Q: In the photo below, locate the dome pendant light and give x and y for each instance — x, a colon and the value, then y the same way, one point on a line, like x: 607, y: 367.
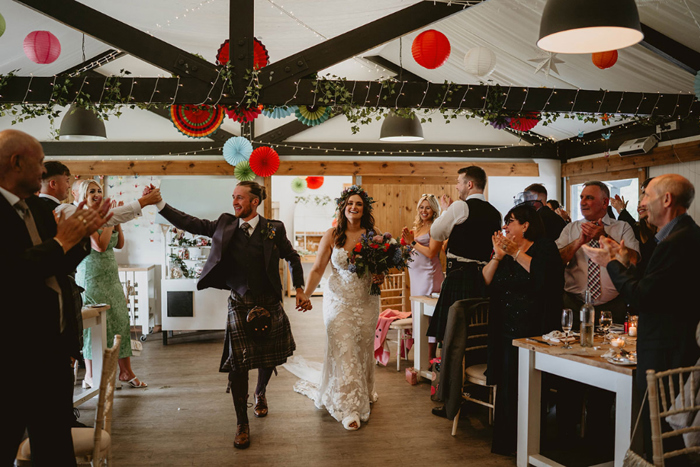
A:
x: 400, y: 129
x: 81, y: 125
x: 589, y: 26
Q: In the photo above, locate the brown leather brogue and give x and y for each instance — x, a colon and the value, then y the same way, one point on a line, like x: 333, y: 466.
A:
x: 242, y: 439
x: 260, y: 409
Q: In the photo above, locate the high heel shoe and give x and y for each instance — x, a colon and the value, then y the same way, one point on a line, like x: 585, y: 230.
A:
x: 132, y: 382
x: 87, y: 383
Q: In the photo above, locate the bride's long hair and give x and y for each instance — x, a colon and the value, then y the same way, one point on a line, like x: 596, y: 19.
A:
x: 367, y: 220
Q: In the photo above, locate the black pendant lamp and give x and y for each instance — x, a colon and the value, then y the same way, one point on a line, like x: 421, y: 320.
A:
x: 400, y: 129
x: 81, y: 125
x: 589, y: 26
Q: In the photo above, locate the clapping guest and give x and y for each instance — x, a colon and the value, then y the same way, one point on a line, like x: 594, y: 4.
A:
x: 98, y: 274
x: 526, y: 279
x: 554, y: 205
x: 425, y: 271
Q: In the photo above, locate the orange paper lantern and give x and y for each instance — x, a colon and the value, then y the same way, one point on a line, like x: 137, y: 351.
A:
x: 604, y: 60
x: 431, y: 49
x: 314, y: 182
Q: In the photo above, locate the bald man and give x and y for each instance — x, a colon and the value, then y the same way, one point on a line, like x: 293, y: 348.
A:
x: 666, y: 295
x: 37, y: 254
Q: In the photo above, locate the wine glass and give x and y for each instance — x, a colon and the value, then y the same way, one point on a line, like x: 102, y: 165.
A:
x: 605, y: 324
x: 567, y: 321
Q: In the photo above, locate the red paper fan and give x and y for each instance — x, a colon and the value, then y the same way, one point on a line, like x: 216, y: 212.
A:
x: 244, y: 115
x: 314, y: 182
x: 525, y: 123
x: 264, y: 161
x: 261, y: 57
x: 196, y: 121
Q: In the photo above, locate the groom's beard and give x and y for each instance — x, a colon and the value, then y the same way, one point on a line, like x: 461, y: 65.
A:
x: 244, y: 213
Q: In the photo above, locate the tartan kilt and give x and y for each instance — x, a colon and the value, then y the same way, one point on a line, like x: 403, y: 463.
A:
x: 463, y: 282
x: 242, y: 352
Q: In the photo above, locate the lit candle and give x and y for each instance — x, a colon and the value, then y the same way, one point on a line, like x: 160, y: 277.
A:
x: 632, y: 331
x: 618, y: 342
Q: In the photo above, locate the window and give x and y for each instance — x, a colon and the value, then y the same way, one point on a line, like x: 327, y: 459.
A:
x: 627, y: 188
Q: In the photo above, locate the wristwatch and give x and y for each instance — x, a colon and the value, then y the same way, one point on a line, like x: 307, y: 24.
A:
x: 413, y: 243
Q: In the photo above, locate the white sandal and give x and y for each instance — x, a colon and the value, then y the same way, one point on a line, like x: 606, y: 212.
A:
x: 347, y: 421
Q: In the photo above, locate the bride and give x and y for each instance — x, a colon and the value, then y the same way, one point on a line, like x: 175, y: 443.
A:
x: 345, y: 386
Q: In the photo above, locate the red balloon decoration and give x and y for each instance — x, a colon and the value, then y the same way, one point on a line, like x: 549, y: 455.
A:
x: 314, y: 183
x: 604, y: 60
x: 525, y: 123
x: 42, y: 47
x: 261, y: 57
x: 264, y: 161
x: 431, y: 49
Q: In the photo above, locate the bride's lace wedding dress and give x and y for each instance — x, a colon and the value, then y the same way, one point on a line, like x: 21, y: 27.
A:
x: 345, y: 385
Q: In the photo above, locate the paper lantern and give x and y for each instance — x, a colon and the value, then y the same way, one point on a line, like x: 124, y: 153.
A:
x: 264, y: 161
x: 3, y: 25
x: 237, y: 149
x: 312, y: 115
x: 431, y: 49
x: 314, y: 183
x: 298, y: 185
x: 42, y: 47
x: 480, y: 61
x: 196, y: 121
x: 525, y: 123
x: 604, y: 60
x: 279, y: 112
x: 243, y: 172
x: 261, y: 57
x: 242, y: 115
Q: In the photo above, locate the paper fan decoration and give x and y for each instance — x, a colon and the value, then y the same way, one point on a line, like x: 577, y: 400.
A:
x: 3, y: 25
x: 264, y: 161
x: 243, y: 172
x: 261, y: 57
x: 314, y: 183
x: 279, y: 112
x: 242, y: 115
x: 500, y: 123
x: 525, y: 123
x: 237, y: 149
x: 298, y: 185
x: 196, y: 121
x: 312, y: 115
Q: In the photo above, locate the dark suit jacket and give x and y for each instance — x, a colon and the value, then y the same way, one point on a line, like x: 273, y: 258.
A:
x: 553, y: 223
x: 665, y: 298
x: 30, y: 307
x: 221, y: 232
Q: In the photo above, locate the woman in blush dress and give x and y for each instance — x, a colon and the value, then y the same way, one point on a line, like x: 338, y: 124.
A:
x: 426, y: 271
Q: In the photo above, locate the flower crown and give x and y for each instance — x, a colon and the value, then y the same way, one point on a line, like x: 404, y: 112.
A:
x: 355, y: 190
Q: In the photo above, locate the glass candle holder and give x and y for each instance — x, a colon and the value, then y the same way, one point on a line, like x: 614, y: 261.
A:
x: 633, y: 325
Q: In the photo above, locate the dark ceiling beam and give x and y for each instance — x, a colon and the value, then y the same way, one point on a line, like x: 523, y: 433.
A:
x: 149, y: 148
x: 528, y: 136
x: 402, y: 75
x: 671, y: 50
x: 282, y: 132
x: 366, y: 37
x: 93, y: 63
x: 369, y: 93
x: 124, y: 37
x: 241, y: 38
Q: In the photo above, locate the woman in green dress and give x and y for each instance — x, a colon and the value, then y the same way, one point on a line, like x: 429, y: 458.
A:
x: 98, y: 274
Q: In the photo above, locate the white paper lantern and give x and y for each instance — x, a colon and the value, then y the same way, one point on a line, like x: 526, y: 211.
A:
x: 480, y: 61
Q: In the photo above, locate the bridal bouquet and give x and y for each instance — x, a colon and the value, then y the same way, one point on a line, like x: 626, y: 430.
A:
x: 377, y: 254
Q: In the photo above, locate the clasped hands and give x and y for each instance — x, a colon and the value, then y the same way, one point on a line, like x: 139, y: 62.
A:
x: 608, y: 251
x: 407, y: 235
x: 84, y: 222
x: 503, y: 245
x: 303, y: 301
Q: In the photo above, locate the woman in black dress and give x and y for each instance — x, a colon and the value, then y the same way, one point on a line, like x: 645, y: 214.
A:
x: 526, y: 282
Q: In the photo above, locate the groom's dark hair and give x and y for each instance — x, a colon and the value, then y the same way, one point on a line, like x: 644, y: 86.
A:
x: 256, y: 189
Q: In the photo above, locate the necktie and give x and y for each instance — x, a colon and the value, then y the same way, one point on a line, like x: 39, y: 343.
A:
x: 246, y: 226
x: 594, y: 274
x: 51, y: 282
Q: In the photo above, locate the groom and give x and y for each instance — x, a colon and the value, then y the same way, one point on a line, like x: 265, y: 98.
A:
x: 245, y: 254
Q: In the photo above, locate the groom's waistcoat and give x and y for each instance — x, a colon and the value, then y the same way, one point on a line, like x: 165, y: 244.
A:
x: 249, y: 271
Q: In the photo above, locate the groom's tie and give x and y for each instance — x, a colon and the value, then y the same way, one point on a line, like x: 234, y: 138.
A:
x: 22, y: 207
x: 246, y: 226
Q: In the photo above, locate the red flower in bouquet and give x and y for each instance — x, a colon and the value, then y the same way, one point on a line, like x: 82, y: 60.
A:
x: 377, y: 254
x: 358, y: 247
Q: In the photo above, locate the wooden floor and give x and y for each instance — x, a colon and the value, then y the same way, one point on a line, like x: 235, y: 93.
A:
x: 185, y: 417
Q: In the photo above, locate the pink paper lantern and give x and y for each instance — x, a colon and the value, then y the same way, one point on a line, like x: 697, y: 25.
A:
x: 42, y: 47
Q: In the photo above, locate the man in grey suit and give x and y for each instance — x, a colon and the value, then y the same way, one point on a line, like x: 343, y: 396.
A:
x: 245, y: 254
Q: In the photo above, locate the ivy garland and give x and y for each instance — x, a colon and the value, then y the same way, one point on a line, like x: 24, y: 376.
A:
x: 315, y: 199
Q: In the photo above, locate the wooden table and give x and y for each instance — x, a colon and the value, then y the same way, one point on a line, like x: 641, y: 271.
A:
x: 423, y: 307
x: 94, y: 318
x: 535, y: 358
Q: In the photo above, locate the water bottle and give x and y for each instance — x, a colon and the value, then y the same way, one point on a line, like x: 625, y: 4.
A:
x: 587, y: 321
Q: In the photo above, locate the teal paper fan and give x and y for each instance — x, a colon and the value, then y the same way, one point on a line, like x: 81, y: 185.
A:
x: 279, y: 112
x: 237, y: 149
x: 243, y: 172
x: 312, y: 115
x: 697, y: 85
x: 298, y: 185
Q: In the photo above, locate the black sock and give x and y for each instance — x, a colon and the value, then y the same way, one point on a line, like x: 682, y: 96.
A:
x: 239, y: 391
x: 264, y: 375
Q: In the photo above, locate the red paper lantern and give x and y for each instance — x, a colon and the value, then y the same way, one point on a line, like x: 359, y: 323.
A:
x: 261, y: 57
x: 431, y: 49
x: 604, y: 60
x: 264, y: 161
x: 314, y: 183
x: 525, y: 123
x: 42, y: 47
